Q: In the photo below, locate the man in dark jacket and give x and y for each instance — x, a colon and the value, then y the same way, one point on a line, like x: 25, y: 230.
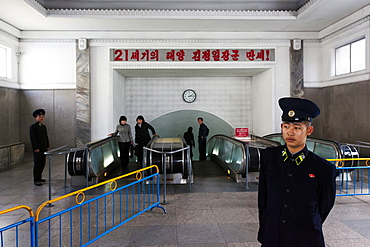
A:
x: 296, y: 187
x: 40, y: 144
x: 142, y: 136
x: 202, y: 139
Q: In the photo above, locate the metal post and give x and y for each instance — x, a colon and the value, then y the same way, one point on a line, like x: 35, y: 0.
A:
x: 87, y: 169
x: 50, y: 205
x: 65, y: 171
x: 189, y: 166
x: 246, y: 167
x: 164, y: 179
x: 164, y: 157
x: 32, y: 231
x: 143, y: 160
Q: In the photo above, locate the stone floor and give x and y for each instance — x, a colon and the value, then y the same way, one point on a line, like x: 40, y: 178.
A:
x: 215, y: 212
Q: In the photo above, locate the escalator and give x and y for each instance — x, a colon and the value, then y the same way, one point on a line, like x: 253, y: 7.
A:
x: 241, y: 158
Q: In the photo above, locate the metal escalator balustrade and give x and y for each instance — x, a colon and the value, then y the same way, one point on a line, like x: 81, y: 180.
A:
x: 94, y: 160
x: 326, y: 149
x: 172, y: 156
x: 238, y: 158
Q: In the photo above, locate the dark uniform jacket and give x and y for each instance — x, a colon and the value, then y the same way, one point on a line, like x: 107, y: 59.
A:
x: 39, y: 137
x: 203, y: 131
x: 142, y: 136
x: 295, y: 195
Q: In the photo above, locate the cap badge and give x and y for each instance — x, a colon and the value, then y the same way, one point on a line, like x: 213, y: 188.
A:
x: 291, y: 113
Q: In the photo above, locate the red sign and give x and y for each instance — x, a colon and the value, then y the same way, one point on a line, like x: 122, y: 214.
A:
x: 196, y: 55
x: 241, y: 132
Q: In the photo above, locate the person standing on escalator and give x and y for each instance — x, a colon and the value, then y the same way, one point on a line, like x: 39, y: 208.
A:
x: 142, y: 136
x: 202, y: 139
x: 123, y: 130
x: 189, y: 139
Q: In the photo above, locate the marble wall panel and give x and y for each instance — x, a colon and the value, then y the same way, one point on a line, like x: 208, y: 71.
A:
x: 4, y: 157
x: 4, y: 116
x: 31, y: 100
x: 14, y: 115
x: 362, y: 112
x: 9, y: 116
x: 11, y: 154
x: 345, y: 114
x: 343, y: 117
x: 60, y: 115
x: 4, y: 101
x: 309, y: 94
x: 16, y: 153
x: 65, y: 117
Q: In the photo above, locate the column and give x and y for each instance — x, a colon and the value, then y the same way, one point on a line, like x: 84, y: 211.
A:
x: 83, y: 106
x: 296, y: 68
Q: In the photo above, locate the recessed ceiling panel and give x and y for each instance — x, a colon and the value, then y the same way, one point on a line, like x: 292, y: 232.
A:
x: 292, y: 5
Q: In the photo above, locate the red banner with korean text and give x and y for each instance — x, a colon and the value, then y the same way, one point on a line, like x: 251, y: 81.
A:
x: 192, y: 55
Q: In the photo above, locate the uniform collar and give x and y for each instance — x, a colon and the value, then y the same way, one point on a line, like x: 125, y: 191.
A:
x: 298, y: 157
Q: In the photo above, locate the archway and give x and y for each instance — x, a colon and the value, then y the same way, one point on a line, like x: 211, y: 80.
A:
x: 176, y: 123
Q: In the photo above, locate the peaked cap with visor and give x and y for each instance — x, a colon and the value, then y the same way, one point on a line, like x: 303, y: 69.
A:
x: 298, y: 109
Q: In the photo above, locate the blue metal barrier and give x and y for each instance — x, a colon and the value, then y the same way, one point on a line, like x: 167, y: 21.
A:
x: 353, y: 181
x: 11, y: 234
x: 88, y: 220
x: 352, y: 178
x: 92, y: 219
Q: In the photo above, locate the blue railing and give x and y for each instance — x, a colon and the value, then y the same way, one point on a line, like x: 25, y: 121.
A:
x: 89, y: 220
x: 13, y: 234
x: 353, y: 180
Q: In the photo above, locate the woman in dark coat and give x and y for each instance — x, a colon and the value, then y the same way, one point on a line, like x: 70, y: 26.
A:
x: 142, y: 136
x: 189, y: 139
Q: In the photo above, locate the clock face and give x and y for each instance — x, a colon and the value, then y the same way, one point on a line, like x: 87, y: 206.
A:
x: 189, y: 96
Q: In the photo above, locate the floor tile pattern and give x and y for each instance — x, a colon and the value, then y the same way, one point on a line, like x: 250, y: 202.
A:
x: 216, y: 212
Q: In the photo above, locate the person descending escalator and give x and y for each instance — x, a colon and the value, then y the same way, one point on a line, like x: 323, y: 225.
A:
x: 189, y: 139
x: 123, y: 130
x: 142, y: 136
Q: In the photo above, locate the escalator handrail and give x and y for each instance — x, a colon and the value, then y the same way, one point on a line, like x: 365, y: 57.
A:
x: 238, y: 143
x: 315, y: 140
x: 308, y: 138
x: 355, y: 145
x: 95, y: 144
x: 167, y: 152
x: 228, y: 138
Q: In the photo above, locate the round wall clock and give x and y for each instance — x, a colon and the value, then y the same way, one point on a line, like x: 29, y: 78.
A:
x: 189, y: 96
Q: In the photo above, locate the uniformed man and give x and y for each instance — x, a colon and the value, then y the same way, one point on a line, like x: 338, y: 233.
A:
x: 296, y: 187
x: 202, y: 139
x: 40, y: 144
